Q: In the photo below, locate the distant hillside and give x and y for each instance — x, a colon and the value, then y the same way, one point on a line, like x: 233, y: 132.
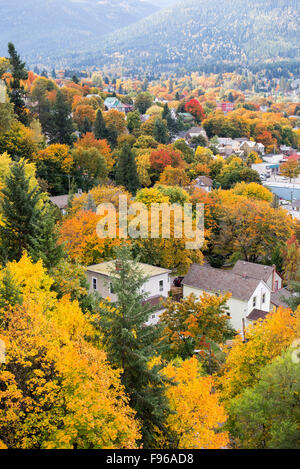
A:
x: 40, y: 29
x: 195, y: 33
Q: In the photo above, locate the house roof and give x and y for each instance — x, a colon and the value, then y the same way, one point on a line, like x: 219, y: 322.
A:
x: 195, y: 130
x: 155, y: 302
x: 207, y: 278
x: 206, y: 181
x: 278, y: 298
x: 106, y: 268
x: 257, y: 271
x: 257, y: 314
x: 62, y: 200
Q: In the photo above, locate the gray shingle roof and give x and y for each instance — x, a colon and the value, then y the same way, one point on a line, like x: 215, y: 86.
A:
x: 258, y: 271
x: 213, y: 280
x: 278, y: 297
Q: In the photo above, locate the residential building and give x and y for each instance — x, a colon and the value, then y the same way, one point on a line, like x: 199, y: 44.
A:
x: 204, y: 182
x: 195, y: 132
x: 255, y: 289
x: 157, y: 284
x: 247, y: 293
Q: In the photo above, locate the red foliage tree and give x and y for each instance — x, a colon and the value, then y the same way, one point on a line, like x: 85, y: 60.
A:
x: 194, y: 107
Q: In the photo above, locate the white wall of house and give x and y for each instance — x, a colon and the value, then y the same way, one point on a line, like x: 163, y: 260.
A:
x: 277, y: 282
x: 238, y: 309
x: 159, y: 285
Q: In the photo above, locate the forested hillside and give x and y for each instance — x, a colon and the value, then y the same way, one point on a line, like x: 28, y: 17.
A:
x: 194, y: 33
x: 52, y: 27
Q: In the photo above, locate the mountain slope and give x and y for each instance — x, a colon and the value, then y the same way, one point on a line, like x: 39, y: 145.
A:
x: 52, y: 27
x: 197, y: 32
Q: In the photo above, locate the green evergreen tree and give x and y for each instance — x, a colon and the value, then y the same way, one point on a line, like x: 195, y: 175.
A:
x: 17, y: 92
x: 126, y: 173
x: 61, y: 128
x: 130, y: 346
x: 28, y: 223
x: 160, y: 132
x: 100, y: 131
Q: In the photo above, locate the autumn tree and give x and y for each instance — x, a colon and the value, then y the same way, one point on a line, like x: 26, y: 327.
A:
x: 290, y: 169
x: 194, y: 107
x: 174, y: 177
x: 55, y: 164
x: 265, y: 340
x: 250, y: 229
x: 186, y: 322
x: 196, y: 412
x: 90, y: 167
x: 79, y: 238
x: 51, y: 362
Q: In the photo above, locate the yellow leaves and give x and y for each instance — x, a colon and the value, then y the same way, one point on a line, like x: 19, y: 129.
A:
x: 198, y: 414
x: 265, y: 340
x: 31, y: 279
x: 57, y: 390
x: 58, y: 154
x: 253, y: 191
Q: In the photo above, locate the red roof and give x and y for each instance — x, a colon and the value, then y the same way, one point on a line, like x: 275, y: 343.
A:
x: 294, y: 157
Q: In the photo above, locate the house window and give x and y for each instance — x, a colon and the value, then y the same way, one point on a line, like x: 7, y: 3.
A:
x: 264, y: 298
x: 161, y: 285
x: 111, y: 288
x: 254, y: 301
x: 94, y: 283
x: 276, y: 285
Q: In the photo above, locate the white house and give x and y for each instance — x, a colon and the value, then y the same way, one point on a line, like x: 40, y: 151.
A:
x: 157, y: 284
x: 204, y: 182
x: 249, y: 295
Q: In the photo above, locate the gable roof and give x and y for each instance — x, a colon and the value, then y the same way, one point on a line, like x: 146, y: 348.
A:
x: 204, y: 180
x: 207, y: 278
x: 257, y: 271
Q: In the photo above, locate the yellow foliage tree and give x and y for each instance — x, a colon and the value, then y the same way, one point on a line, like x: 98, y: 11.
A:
x: 197, y: 415
x: 265, y: 340
x: 57, y: 389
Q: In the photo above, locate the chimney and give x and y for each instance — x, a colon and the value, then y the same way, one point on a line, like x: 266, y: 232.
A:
x: 273, y: 277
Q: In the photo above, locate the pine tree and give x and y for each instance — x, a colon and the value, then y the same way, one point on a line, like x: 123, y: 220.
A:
x: 28, y: 223
x: 16, y: 89
x: 130, y: 344
x: 160, y: 132
x: 100, y: 130
x: 126, y: 174
x: 61, y: 122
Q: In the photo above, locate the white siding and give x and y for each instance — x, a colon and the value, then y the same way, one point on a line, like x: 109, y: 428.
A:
x: 239, y: 309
